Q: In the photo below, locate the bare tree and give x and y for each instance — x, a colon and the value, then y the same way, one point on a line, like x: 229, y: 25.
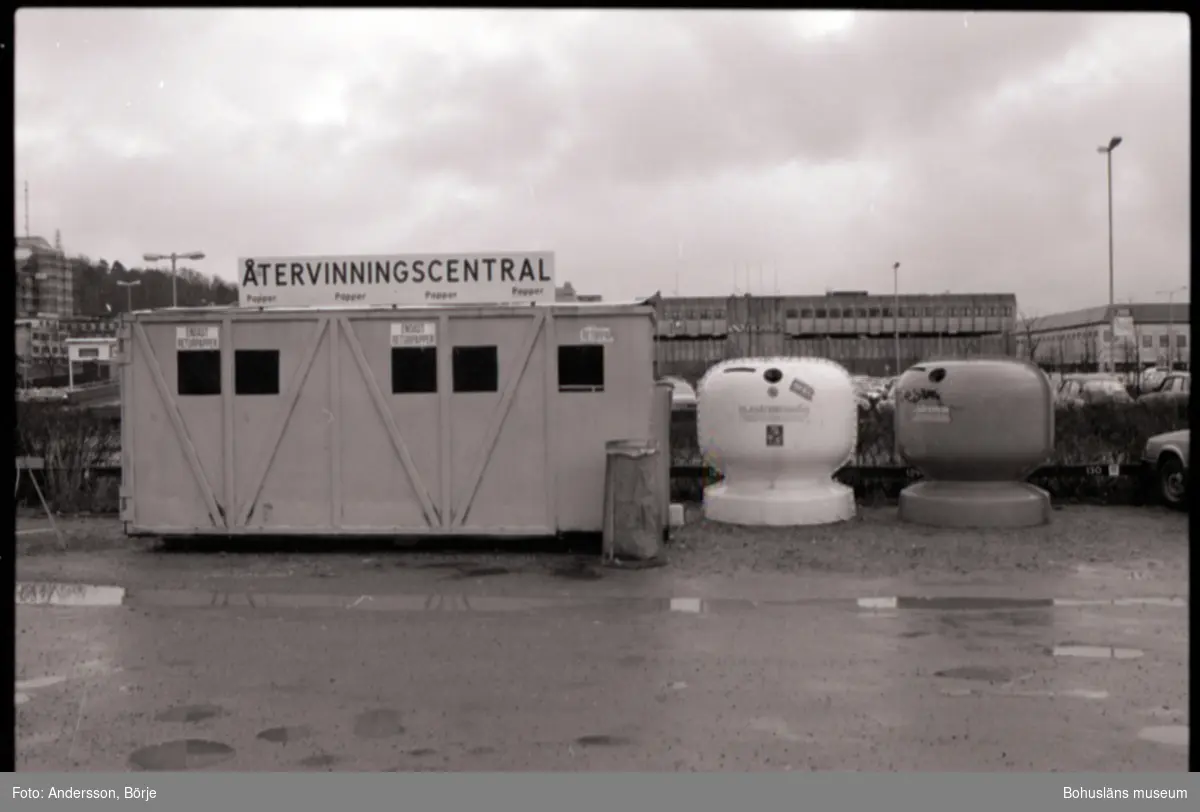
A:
x: 1090, y: 354
x: 1028, y: 338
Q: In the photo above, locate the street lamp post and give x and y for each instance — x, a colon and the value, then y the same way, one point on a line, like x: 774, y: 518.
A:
x: 174, y: 279
x: 896, y: 312
x: 1170, y: 294
x: 129, y: 286
x: 1107, y: 152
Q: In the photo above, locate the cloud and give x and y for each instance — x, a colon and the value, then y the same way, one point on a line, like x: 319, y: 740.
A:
x: 827, y: 145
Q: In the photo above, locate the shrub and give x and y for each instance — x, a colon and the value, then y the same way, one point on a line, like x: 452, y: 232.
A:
x: 73, y: 443
x: 1099, y: 433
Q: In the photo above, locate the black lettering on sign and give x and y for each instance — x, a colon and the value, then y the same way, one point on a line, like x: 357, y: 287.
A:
x: 506, y: 270
x: 433, y: 264
x: 774, y: 435
x: 280, y: 274
x: 248, y: 275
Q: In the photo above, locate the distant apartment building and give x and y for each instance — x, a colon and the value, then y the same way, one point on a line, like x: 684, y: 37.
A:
x: 44, y: 280
x: 1147, y: 334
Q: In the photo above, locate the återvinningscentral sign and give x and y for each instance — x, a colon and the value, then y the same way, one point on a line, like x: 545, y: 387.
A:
x: 397, y: 279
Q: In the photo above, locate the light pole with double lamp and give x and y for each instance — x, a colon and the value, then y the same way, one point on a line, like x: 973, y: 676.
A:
x: 174, y: 277
x: 1107, y: 152
x: 129, y: 285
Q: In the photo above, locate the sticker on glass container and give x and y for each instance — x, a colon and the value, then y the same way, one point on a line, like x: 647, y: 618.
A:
x: 774, y: 435
x: 802, y: 389
x: 930, y: 413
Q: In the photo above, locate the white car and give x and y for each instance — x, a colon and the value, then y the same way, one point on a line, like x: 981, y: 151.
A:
x: 683, y: 394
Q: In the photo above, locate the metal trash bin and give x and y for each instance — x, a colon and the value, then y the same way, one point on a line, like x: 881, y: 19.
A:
x: 633, y: 514
x: 661, y: 431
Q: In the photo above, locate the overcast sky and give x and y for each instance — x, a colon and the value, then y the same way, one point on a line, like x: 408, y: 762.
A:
x: 641, y: 147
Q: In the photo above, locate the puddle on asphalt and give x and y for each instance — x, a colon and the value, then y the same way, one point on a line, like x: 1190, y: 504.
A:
x: 1165, y: 602
x: 48, y: 594
x: 286, y: 734
x: 1073, y: 693
x: 320, y: 761
x: 973, y: 604
x: 691, y: 606
x: 184, y: 754
x: 190, y: 714
x: 980, y: 673
x: 1174, y: 735
x: 381, y: 723
x: 381, y: 603
x: 1097, y: 652
x: 602, y: 740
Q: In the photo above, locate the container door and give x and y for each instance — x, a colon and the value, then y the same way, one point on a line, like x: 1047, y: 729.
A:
x: 172, y: 427
x: 496, y: 407
x: 388, y: 396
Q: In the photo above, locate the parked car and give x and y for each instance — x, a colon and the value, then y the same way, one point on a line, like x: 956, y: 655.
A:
x: 683, y: 394
x: 1166, y: 460
x: 1151, y: 379
x: 1177, y: 386
x: 1084, y: 390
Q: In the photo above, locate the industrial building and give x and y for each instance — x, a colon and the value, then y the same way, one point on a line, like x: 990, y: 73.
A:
x: 854, y: 328
x: 41, y: 343
x: 1147, y: 334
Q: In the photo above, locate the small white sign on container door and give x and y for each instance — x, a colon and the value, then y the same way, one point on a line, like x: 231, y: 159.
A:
x: 198, y: 337
x: 596, y: 335
x: 414, y: 334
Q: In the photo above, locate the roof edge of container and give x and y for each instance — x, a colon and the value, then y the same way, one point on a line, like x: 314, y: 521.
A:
x: 485, y: 310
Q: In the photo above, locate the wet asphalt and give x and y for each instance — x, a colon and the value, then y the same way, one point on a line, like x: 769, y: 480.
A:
x: 638, y: 672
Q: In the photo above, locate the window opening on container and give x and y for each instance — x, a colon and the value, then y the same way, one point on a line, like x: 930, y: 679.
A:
x: 256, y: 372
x: 476, y: 369
x: 581, y: 368
x: 414, y: 370
x: 198, y: 372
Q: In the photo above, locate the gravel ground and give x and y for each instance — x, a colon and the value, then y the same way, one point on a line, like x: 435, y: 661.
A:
x: 877, y: 544
x: 874, y: 545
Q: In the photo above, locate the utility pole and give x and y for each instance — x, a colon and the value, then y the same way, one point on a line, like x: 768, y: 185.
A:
x: 896, y: 312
